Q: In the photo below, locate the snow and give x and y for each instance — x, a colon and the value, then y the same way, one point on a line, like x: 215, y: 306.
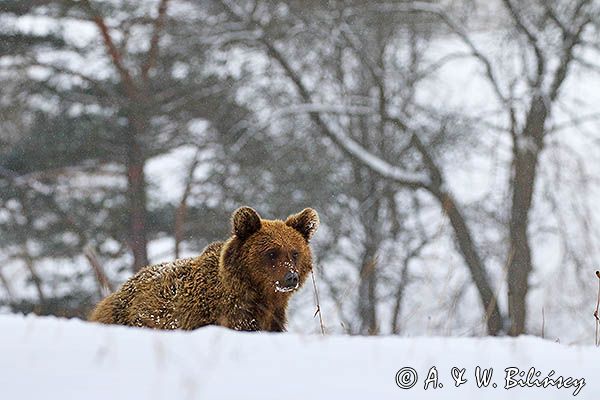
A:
x: 52, y: 358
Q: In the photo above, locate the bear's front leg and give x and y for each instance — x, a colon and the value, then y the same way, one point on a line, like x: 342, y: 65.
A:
x: 240, y: 323
x: 278, y: 321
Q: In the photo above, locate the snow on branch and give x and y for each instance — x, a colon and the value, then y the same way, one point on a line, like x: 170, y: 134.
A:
x: 345, y: 143
x: 353, y: 148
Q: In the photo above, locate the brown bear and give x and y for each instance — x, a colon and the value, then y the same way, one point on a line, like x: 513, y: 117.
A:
x: 244, y: 283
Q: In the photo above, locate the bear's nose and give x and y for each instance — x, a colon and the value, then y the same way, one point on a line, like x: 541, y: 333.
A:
x: 291, y: 279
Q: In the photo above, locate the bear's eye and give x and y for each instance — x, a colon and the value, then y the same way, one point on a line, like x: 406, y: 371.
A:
x: 272, y: 255
x: 295, y: 255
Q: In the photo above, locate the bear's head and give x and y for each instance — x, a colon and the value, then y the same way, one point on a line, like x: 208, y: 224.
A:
x: 272, y: 255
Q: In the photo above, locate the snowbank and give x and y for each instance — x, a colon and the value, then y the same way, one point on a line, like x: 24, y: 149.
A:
x: 49, y: 358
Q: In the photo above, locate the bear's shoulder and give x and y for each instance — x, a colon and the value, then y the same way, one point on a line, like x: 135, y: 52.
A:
x: 212, y: 250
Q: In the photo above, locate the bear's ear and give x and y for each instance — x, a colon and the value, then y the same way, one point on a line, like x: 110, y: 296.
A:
x: 245, y: 222
x: 306, y: 222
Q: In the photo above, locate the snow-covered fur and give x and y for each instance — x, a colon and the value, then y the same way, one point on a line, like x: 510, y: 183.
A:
x: 236, y: 283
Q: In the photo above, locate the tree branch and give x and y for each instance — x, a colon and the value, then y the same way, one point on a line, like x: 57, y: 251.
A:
x: 345, y: 143
x: 571, y: 41
x: 113, y: 51
x: 154, y: 41
x: 532, y: 39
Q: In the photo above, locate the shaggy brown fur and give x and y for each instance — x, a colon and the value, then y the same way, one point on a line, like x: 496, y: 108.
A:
x: 235, y: 283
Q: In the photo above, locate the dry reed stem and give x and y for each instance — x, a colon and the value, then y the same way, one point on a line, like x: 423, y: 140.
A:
x: 318, y: 310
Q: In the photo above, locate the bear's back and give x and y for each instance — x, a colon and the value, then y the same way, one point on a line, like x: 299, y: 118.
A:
x: 183, y: 294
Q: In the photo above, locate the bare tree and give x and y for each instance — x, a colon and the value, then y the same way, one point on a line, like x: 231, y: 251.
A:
x: 136, y: 86
x: 534, y: 26
x: 551, y: 57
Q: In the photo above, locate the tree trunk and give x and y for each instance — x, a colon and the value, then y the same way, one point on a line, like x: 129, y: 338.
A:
x: 526, y: 155
x: 399, y: 297
x: 519, y: 265
x: 136, y: 190
x: 470, y: 255
x: 367, y: 301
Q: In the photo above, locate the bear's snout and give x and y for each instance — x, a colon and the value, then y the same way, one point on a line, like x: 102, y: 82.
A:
x: 290, y: 280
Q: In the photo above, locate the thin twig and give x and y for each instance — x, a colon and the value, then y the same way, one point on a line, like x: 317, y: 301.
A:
x: 35, y: 277
x: 596, y: 342
x: 104, y: 285
x: 318, y: 310
x: 7, y: 287
x: 181, y: 211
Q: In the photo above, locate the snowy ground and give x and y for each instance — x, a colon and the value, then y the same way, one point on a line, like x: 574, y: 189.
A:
x: 50, y: 358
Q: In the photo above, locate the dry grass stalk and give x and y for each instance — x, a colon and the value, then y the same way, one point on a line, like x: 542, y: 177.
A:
x: 596, y: 341
x: 104, y: 286
x: 318, y: 310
